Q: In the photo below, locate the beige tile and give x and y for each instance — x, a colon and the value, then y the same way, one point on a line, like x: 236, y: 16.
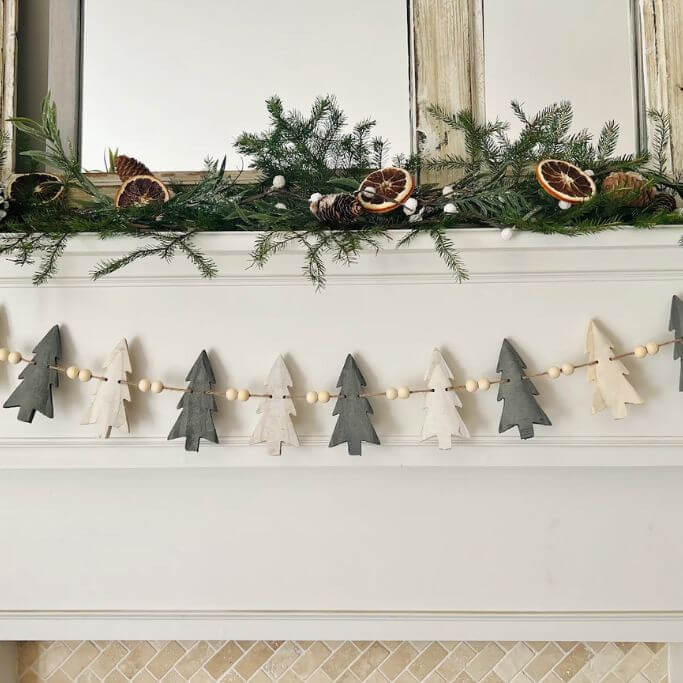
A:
x: 492, y: 677
x: 27, y: 653
x: 274, y: 644
x: 603, y: 662
x: 573, y: 662
x: 450, y: 644
x: 81, y: 657
x: 362, y: 644
x: 165, y: 658
x: 484, y: 661
x: 281, y: 660
x: 455, y: 663
x: 260, y: 677
x: 462, y: 677
x: 545, y: 660
x: 552, y: 677
x: 536, y: 645
x: 347, y: 677
x: 318, y: 676
x: 231, y: 676
x: 316, y: 654
x: 625, y: 647
x: 657, y: 667
x: 567, y: 645
x: 369, y: 660
x: 88, y: 677
x: 341, y: 659
x: 202, y: 676
x: 115, y: 677
x: 136, y: 659
x: 194, y: 658
x: 253, y: 659
x: 59, y: 677
x: 507, y: 644
x: 428, y: 660
x: 420, y: 645
x: 110, y: 656
x: 391, y: 645
x: 655, y: 647
x: 639, y: 678
x: 596, y: 647
x: 406, y: 677
x: 521, y: 677
x: 638, y: 656
x: 144, y: 676
x: 173, y: 677
x: 223, y: 659
x: 289, y: 676
x: 517, y: 657
x: 305, y: 644
x: 245, y: 644
x: 399, y: 660
x: 51, y: 659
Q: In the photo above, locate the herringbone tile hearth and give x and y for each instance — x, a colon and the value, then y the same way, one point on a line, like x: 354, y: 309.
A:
x: 346, y: 661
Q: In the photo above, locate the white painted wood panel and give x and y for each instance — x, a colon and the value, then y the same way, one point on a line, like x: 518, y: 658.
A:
x: 132, y: 535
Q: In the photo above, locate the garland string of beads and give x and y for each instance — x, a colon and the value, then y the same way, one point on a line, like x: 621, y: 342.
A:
x: 604, y: 369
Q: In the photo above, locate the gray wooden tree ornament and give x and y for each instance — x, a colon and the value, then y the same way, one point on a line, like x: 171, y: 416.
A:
x: 35, y: 391
x: 441, y: 416
x: 353, y: 425
x: 611, y: 389
x: 195, y: 422
x: 108, y: 407
x: 520, y: 408
x: 676, y: 326
x: 275, y: 427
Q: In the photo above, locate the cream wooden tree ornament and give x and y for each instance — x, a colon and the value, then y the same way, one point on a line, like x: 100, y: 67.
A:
x: 611, y: 389
x: 108, y: 407
x: 441, y: 416
x: 275, y: 426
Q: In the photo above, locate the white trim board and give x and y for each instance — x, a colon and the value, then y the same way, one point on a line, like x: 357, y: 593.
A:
x: 290, y: 625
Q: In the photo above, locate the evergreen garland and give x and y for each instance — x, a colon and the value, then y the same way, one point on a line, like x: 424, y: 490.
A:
x: 493, y: 185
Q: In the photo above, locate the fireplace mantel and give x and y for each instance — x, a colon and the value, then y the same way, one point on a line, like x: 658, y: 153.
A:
x: 573, y: 535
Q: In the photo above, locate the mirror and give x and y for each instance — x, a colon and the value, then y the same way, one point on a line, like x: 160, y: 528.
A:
x: 171, y: 82
x: 543, y: 52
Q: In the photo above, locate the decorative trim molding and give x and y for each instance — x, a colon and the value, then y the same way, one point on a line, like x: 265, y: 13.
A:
x: 660, y: 626
x: 84, y: 453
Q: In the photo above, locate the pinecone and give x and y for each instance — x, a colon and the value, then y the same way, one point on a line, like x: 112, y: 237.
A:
x: 337, y: 210
x: 662, y: 201
x: 629, y: 187
x: 127, y: 167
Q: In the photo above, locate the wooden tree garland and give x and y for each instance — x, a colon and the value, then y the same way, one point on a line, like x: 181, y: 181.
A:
x: 35, y: 391
x: 275, y: 426
x: 441, y: 416
x: 196, y: 419
x: 108, y: 407
x: 519, y: 408
x: 353, y: 426
x: 611, y: 389
x: 676, y: 326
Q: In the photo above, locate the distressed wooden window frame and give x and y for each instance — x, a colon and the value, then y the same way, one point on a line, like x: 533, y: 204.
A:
x: 447, y: 57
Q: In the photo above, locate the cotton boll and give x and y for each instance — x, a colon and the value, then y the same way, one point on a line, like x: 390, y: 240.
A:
x: 564, y: 205
x: 280, y: 206
x: 506, y: 233
x: 279, y: 182
x: 449, y: 189
x: 410, y: 206
x: 450, y: 208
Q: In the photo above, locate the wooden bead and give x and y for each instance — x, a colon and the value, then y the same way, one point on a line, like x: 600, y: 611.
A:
x: 72, y: 372
x: 231, y: 394
x: 84, y: 375
x: 554, y: 372
x: 311, y: 397
x: 323, y: 396
x: 3, y: 354
x: 14, y: 357
x: 144, y: 385
x: 640, y: 352
x: 484, y: 384
x: 157, y: 387
x: 568, y: 369
x: 471, y: 385
x: 403, y: 392
x: 243, y: 395
x: 391, y: 393
x: 652, y: 348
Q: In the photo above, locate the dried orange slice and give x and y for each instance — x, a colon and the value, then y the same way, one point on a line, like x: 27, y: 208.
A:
x: 36, y: 187
x: 564, y: 181
x: 385, y: 190
x: 141, y: 190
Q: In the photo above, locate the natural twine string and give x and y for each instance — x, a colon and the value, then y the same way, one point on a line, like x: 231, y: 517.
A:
x: 376, y: 394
